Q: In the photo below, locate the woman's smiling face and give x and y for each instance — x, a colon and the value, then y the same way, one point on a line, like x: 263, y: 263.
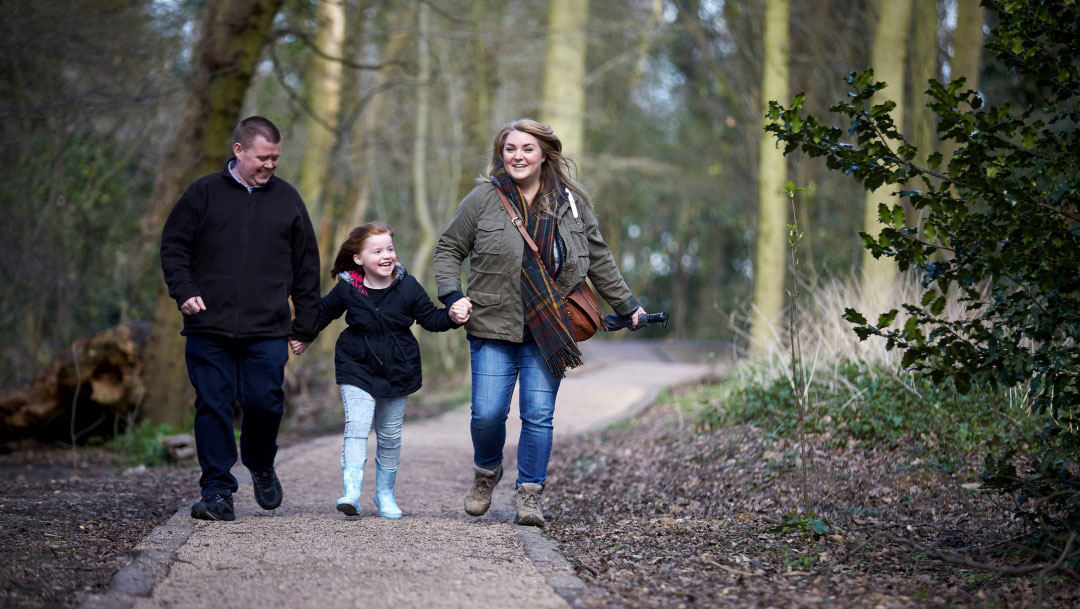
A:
x: 522, y: 156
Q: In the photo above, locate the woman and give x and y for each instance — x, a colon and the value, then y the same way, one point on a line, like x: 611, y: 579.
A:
x: 519, y: 329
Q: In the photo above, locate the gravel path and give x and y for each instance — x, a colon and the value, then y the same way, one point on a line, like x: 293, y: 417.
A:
x: 306, y: 554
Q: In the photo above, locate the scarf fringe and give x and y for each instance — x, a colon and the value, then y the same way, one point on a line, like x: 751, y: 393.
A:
x: 562, y: 359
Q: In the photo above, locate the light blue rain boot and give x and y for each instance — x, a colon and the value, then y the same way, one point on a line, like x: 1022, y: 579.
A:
x: 384, y: 493
x: 354, y: 480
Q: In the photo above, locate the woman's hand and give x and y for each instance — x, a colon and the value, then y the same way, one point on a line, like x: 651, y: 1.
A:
x: 297, y: 346
x: 634, y: 317
x: 460, y: 310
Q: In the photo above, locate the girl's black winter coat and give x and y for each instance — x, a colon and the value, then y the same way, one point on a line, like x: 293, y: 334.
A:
x: 377, y: 352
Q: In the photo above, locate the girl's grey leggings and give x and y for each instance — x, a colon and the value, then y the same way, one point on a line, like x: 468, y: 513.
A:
x: 361, y: 410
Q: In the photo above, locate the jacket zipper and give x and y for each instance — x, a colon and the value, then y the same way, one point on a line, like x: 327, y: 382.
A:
x: 243, y: 261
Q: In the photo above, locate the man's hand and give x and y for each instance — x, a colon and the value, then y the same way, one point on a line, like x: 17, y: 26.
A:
x: 298, y: 347
x: 192, y: 306
x: 460, y: 310
x: 634, y: 316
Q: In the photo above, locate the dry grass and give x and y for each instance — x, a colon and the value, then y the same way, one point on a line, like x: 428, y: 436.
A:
x: 828, y: 341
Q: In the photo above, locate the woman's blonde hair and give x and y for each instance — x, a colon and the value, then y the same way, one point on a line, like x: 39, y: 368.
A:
x: 557, y: 169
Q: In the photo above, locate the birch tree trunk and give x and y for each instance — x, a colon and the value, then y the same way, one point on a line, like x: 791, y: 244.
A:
x: 234, y: 34
x: 769, y: 260
x: 320, y: 127
x: 888, y: 57
x: 563, y: 102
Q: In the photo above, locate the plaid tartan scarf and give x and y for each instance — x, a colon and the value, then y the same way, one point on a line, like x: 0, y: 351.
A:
x: 543, y: 305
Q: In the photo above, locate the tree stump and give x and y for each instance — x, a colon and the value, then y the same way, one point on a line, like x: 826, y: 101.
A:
x: 97, y: 377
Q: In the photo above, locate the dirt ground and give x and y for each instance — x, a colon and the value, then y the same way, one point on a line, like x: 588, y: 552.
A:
x: 68, y: 520
x: 654, y: 514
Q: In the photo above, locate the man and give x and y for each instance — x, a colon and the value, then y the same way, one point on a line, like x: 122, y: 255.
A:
x: 235, y: 247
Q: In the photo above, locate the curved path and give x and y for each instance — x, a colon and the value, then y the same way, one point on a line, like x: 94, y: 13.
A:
x: 306, y: 554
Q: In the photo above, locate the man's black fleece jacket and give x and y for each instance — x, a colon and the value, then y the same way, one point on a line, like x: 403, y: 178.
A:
x: 245, y: 253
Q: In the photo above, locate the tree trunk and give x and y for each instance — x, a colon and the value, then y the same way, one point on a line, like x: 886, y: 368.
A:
x: 563, y: 105
x: 234, y: 34
x: 356, y: 212
x: 924, y: 66
x: 483, y: 80
x: 320, y: 127
x: 769, y: 262
x: 888, y: 58
x: 425, y: 244
x: 966, y: 53
x: 968, y: 42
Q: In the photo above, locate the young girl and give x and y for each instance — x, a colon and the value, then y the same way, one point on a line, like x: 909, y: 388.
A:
x: 377, y: 359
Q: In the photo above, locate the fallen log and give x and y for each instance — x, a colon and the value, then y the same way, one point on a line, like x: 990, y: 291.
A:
x: 99, y: 376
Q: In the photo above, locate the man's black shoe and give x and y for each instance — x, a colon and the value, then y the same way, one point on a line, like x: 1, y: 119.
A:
x: 217, y: 507
x: 267, y: 489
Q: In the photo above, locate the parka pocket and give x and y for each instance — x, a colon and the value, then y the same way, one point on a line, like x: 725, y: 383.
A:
x: 484, y: 299
x: 580, y: 243
x: 488, y: 237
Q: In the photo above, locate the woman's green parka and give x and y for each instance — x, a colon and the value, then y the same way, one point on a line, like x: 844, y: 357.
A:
x: 482, y: 231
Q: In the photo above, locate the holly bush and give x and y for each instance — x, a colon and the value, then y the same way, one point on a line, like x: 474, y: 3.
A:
x: 1000, y: 230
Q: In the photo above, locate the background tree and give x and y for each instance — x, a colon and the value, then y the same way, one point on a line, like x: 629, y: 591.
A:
x: 769, y: 265
x: 878, y: 276
x: 233, y: 37
x: 967, y: 44
x: 563, y: 105
x: 324, y: 82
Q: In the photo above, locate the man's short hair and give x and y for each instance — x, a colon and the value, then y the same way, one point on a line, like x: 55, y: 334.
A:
x: 253, y: 126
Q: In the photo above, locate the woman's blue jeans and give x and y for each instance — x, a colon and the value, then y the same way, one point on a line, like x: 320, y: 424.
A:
x: 497, y: 366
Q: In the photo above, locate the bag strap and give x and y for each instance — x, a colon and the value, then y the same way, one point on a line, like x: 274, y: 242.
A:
x: 516, y: 219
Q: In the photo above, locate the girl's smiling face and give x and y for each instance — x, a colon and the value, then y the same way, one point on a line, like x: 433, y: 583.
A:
x: 378, y: 259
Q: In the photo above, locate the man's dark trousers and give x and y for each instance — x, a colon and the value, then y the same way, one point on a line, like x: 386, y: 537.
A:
x: 225, y: 371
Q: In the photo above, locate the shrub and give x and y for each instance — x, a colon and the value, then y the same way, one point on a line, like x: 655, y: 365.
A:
x: 1002, y: 229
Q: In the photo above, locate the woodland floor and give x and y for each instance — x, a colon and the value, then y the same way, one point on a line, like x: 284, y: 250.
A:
x: 69, y: 520
x: 651, y: 513
x: 655, y: 514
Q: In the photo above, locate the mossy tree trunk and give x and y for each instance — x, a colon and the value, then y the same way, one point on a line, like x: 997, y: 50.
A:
x: 234, y: 34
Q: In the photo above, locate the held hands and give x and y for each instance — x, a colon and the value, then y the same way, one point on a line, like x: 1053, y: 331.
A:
x: 192, y: 305
x: 460, y: 310
x: 297, y: 347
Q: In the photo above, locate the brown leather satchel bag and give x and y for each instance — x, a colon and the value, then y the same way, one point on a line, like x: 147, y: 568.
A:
x: 582, y: 307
